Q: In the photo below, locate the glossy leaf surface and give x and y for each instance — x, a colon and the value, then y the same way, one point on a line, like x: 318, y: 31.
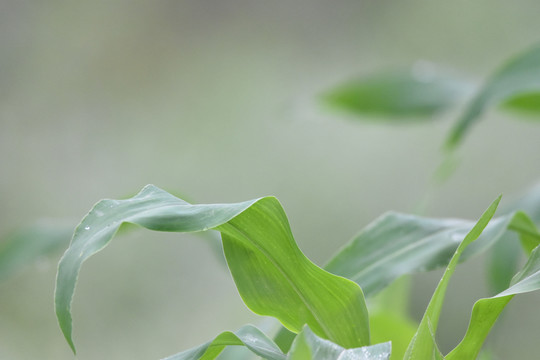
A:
x: 308, y: 346
x: 248, y: 336
x: 517, y: 82
x: 272, y: 275
x: 397, y: 244
x: 423, y: 346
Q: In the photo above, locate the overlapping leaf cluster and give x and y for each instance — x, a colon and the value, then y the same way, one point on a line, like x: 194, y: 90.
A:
x: 274, y: 278
x: 323, y: 310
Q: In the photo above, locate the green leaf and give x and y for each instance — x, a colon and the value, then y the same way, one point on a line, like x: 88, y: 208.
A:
x: 418, y: 93
x: 486, y: 311
x: 423, y: 346
x: 284, y: 339
x: 272, y: 275
x: 28, y: 244
x: 248, y: 336
x: 528, y: 233
x: 398, y: 244
x: 484, y: 314
x: 308, y: 346
x: 519, y: 78
x: 527, y: 103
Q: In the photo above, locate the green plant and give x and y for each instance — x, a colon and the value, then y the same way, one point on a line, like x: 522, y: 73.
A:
x: 324, y: 310
x: 274, y: 278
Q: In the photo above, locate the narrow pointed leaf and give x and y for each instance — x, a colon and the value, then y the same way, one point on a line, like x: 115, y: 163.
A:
x: 248, y: 336
x: 422, y: 346
x: 419, y: 93
x: 308, y: 346
x: 272, y: 275
x: 518, y: 78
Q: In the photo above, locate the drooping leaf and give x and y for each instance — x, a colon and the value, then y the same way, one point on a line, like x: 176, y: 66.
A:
x: 486, y: 311
x: 423, y: 346
x: 514, y: 82
x: 417, y: 93
x: 272, y: 275
x: 308, y: 346
x: 398, y: 244
x: 28, y: 244
x: 248, y: 336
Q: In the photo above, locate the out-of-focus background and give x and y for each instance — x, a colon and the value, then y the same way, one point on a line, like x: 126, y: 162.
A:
x: 215, y: 100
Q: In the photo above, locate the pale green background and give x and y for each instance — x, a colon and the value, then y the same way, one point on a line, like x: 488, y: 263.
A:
x: 215, y: 100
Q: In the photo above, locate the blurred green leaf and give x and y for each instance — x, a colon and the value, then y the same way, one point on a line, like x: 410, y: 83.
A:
x: 31, y: 243
x: 284, y: 339
x: 272, y: 275
x: 248, y: 336
x: 517, y: 83
x: 423, y: 345
x: 528, y: 103
x: 389, y: 318
x: 416, y: 93
x: 389, y: 326
x: 308, y: 346
x: 486, y: 311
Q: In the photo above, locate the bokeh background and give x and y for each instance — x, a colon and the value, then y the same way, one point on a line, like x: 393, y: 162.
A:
x: 215, y: 100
